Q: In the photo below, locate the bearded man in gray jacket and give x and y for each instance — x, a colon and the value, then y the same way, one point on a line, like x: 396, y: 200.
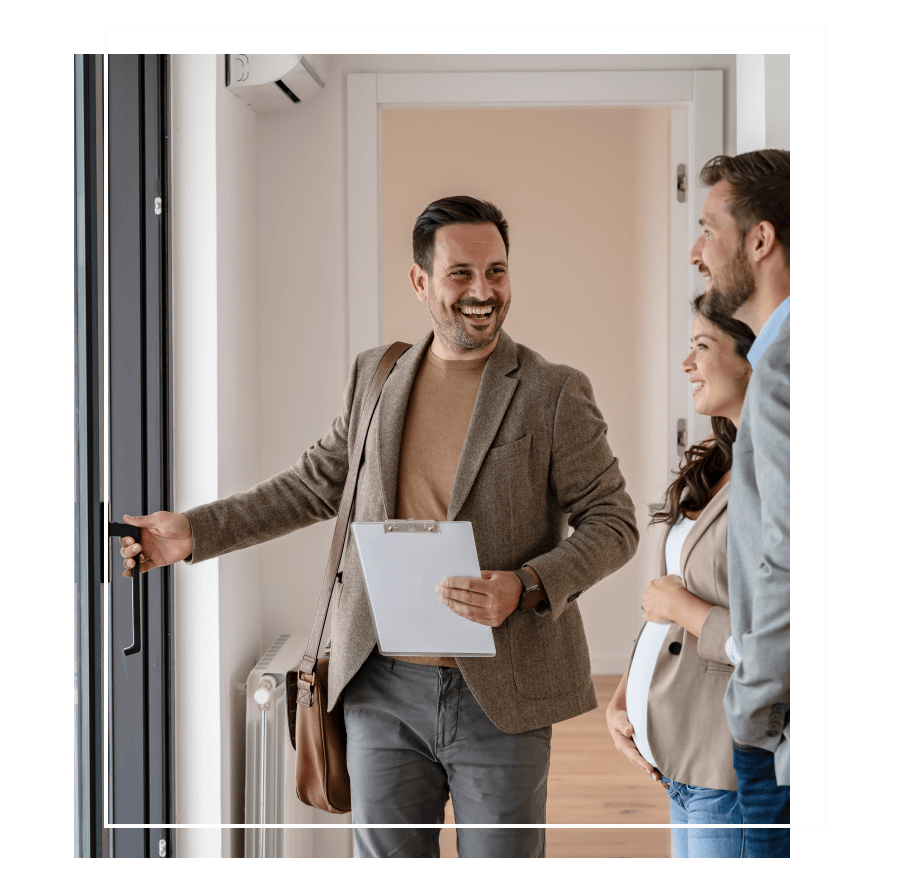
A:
x: 744, y: 251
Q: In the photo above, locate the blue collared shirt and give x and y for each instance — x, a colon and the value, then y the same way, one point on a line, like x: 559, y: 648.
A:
x: 769, y: 331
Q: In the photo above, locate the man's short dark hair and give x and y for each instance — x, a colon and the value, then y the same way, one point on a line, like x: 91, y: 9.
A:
x: 761, y: 186
x: 452, y: 210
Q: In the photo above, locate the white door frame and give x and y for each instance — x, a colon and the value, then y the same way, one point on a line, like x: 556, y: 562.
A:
x: 695, y: 99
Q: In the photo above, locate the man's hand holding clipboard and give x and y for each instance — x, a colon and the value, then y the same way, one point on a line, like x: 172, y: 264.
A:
x: 489, y: 600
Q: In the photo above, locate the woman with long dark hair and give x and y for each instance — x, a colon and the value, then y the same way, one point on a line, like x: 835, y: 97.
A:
x: 666, y: 716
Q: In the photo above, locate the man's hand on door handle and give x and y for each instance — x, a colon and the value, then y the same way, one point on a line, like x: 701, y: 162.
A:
x: 164, y: 538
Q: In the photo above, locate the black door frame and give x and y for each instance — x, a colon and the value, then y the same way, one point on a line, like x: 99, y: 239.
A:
x: 139, y: 444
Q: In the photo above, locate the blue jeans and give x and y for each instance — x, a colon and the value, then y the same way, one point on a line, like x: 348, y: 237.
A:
x: 762, y: 800
x: 693, y: 805
x: 416, y: 735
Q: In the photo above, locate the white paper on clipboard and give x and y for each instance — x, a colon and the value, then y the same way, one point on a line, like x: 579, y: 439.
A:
x: 403, y: 561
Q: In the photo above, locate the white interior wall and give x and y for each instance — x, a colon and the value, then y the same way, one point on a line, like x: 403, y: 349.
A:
x: 216, y: 380
x: 778, y: 101
x: 238, y: 431
x: 763, y: 89
x: 195, y: 404
x: 235, y: 426
x: 750, y: 83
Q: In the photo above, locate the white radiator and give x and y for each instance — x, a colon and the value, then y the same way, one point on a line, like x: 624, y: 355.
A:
x: 270, y: 796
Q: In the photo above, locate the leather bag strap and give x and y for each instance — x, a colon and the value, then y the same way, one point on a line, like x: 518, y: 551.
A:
x: 394, y: 352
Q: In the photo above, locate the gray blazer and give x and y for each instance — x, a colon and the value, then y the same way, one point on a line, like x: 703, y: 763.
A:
x: 535, y: 459
x: 686, y: 726
x: 757, y: 702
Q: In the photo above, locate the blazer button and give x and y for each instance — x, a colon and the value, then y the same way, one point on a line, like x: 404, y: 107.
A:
x: 675, y: 648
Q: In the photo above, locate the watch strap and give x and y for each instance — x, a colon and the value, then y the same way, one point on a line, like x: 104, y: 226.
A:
x: 530, y: 590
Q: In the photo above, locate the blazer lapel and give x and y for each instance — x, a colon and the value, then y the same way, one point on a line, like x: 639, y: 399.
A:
x: 713, y: 508
x: 494, y: 395
x: 387, y: 424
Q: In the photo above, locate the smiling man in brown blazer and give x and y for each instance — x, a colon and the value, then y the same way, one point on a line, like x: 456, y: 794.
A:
x: 471, y: 426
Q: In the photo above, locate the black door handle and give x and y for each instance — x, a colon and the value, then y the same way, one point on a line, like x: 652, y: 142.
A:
x: 118, y: 529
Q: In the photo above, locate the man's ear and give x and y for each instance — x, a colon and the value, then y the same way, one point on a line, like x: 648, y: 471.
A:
x: 761, y: 242
x: 419, y: 279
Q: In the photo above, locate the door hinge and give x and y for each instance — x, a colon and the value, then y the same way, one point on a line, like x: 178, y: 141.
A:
x: 157, y: 205
x: 162, y: 846
x: 681, y: 186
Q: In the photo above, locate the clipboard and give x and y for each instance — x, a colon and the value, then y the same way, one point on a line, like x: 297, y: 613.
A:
x: 403, y: 561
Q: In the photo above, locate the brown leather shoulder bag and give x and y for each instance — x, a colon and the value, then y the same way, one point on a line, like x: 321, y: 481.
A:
x: 317, y: 734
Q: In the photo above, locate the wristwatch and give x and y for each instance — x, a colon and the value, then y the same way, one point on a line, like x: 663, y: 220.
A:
x: 531, y: 592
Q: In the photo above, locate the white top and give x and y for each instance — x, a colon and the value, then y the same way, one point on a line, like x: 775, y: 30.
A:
x: 640, y: 674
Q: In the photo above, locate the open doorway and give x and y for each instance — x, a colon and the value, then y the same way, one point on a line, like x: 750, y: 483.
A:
x: 586, y: 193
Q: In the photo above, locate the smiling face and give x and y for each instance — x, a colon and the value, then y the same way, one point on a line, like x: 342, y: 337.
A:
x: 719, y: 375
x: 720, y: 256
x: 468, y: 292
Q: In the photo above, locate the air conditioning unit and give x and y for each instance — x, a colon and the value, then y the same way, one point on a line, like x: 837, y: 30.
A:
x: 275, y: 82
x: 270, y: 797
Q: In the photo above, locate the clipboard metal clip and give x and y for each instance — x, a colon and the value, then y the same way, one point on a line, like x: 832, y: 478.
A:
x: 410, y: 526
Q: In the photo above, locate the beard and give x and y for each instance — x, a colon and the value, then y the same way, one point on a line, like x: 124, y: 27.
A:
x: 452, y: 331
x: 736, y: 286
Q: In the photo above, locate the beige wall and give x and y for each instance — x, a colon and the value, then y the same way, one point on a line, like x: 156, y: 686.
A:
x: 585, y: 191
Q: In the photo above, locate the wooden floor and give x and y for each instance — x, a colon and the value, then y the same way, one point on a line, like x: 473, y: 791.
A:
x: 591, y: 783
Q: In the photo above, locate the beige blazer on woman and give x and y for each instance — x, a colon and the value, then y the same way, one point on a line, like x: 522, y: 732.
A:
x: 686, y: 726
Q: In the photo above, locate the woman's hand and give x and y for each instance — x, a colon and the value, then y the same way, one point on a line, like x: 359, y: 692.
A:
x: 621, y: 730
x: 661, y: 599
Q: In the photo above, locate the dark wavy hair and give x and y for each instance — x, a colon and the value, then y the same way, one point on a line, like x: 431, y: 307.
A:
x: 452, y: 210
x: 760, y: 190
x: 706, y: 463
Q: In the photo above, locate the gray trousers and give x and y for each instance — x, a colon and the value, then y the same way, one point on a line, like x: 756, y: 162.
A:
x: 416, y: 735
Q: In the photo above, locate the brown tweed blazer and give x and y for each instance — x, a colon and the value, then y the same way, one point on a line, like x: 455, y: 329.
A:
x: 535, y: 456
